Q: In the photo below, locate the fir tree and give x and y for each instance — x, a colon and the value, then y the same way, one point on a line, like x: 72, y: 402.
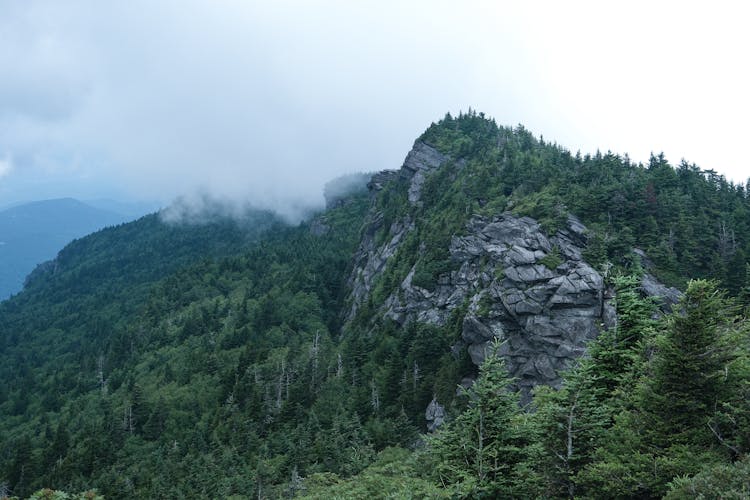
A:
x: 689, y: 368
x: 481, y: 450
x: 678, y: 419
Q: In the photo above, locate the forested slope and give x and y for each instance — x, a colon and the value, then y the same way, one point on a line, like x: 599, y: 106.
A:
x: 32, y: 233
x: 261, y: 360
x: 691, y: 222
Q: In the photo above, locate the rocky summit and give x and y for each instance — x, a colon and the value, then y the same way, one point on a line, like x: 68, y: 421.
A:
x: 529, y: 294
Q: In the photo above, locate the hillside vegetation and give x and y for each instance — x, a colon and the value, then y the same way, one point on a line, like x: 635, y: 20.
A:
x: 226, y: 359
x: 32, y: 233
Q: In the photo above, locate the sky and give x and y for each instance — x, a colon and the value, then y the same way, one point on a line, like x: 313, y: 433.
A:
x: 261, y: 103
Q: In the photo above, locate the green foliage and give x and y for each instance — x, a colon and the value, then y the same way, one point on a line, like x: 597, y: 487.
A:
x: 484, y: 305
x: 392, y: 202
x: 394, y: 474
x: 690, y: 368
x: 545, y: 206
x: 426, y: 273
x: 212, y: 360
x: 202, y: 381
x: 689, y: 408
x: 744, y: 295
x: 726, y: 481
x: 552, y: 259
x: 691, y: 223
x: 49, y: 494
x: 481, y: 451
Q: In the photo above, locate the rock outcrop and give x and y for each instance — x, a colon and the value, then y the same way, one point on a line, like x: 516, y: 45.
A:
x: 665, y: 295
x: 434, y: 415
x: 418, y: 163
x: 540, y: 317
x: 529, y: 294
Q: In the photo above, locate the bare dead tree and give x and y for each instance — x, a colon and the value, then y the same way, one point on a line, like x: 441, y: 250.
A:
x: 374, y: 396
x: 727, y: 241
x: 127, y: 418
x: 314, y: 356
x: 100, y: 376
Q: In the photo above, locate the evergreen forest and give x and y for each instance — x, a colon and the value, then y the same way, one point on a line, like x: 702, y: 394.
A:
x: 230, y: 357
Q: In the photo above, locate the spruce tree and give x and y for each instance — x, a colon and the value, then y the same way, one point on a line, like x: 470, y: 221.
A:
x: 480, y: 452
x: 689, y: 368
x: 682, y: 416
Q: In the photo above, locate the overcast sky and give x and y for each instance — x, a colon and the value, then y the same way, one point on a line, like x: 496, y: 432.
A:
x: 265, y: 101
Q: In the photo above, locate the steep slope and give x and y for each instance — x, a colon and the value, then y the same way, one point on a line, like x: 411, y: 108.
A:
x: 34, y: 232
x: 486, y: 275
x: 135, y: 339
x: 218, y: 360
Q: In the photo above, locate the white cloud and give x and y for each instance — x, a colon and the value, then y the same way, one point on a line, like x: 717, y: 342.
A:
x: 5, y: 166
x: 264, y: 102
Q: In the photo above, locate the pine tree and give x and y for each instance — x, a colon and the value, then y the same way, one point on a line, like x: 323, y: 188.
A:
x: 689, y: 367
x: 481, y: 450
x: 684, y: 414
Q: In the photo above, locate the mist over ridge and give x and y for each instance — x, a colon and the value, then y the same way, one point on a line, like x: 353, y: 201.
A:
x: 268, y: 102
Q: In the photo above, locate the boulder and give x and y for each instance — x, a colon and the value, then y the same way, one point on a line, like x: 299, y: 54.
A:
x: 420, y: 160
x: 474, y: 331
x: 666, y: 296
x: 435, y: 415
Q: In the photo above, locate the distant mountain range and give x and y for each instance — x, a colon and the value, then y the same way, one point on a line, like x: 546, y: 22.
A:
x: 32, y: 233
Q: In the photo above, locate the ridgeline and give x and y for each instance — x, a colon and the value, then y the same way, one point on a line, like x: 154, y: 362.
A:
x: 497, y: 318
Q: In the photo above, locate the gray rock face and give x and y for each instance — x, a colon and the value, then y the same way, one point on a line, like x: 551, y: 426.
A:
x: 370, y: 260
x: 476, y: 332
x: 418, y: 163
x: 539, y: 319
x: 667, y: 296
x: 542, y: 317
x: 379, y: 180
x: 435, y: 415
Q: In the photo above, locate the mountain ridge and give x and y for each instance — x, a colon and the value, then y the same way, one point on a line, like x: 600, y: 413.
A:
x: 262, y: 359
x: 31, y: 233
x: 526, y: 295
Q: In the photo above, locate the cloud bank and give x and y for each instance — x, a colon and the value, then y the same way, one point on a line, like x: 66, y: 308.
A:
x: 5, y: 166
x: 261, y: 103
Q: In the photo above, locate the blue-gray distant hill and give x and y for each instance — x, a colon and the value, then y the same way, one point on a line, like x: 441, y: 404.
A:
x: 34, y: 232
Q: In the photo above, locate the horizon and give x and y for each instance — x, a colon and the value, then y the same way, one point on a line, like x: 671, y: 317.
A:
x: 267, y: 103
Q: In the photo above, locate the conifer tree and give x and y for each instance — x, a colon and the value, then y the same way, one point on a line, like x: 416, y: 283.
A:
x: 678, y: 419
x: 571, y: 422
x: 689, y: 368
x: 481, y: 450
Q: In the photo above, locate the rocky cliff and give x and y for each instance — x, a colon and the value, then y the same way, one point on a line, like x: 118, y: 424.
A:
x: 527, y: 292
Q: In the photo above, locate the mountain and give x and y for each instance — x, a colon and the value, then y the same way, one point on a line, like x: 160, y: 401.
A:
x: 32, y: 233
x: 250, y: 358
x: 131, y: 209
